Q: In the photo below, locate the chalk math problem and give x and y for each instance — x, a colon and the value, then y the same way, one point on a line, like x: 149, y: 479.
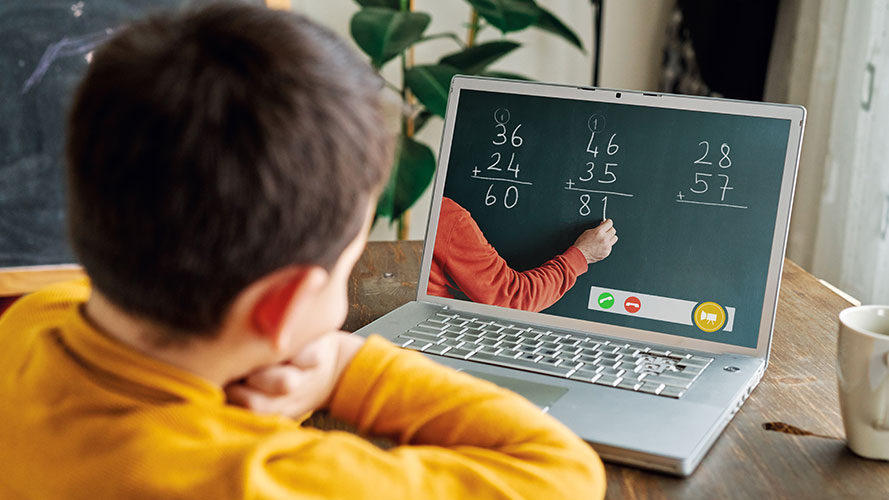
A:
x: 511, y: 145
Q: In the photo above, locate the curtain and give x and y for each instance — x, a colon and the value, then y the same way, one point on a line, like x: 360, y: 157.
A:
x: 833, y: 57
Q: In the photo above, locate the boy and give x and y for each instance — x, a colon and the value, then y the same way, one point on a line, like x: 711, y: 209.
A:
x: 223, y: 165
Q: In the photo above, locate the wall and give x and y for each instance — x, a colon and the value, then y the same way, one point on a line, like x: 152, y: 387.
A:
x: 632, y: 38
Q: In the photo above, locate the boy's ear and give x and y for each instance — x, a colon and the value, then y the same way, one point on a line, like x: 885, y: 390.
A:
x: 284, y: 290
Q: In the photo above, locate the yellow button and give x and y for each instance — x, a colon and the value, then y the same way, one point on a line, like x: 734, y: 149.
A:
x: 709, y: 316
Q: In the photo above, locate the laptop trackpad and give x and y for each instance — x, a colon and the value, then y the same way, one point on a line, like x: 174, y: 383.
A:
x: 541, y: 395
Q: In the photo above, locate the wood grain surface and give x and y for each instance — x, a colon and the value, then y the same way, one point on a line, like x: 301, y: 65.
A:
x: 797, y: 395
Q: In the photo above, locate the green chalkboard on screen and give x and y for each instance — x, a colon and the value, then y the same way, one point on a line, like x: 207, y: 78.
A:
x: 693, y: 196
x: 47, y: 46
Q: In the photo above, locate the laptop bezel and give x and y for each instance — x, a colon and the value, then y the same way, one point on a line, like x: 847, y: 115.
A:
x: 796, y: 115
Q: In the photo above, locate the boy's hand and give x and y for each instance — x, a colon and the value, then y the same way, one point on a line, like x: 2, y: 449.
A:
x: 301, y: 385
x: 596, y: 243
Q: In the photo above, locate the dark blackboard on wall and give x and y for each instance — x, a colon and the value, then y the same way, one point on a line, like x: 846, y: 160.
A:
x: 47, y: 46
x: 693, y: 196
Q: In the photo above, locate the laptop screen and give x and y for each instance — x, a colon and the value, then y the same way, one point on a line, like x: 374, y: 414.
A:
x: 692, y: 196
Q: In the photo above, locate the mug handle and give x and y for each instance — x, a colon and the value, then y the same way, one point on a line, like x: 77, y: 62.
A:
x: 883, y: 423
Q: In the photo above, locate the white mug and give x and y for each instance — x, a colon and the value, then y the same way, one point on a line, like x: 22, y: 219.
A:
x: 863, y: 375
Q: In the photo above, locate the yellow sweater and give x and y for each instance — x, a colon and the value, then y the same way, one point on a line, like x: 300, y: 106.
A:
x: 83, y: 416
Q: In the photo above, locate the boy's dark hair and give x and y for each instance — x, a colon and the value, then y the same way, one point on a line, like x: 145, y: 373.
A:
x: 210, y: 147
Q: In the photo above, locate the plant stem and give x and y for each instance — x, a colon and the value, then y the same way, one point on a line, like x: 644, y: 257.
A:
x: 407, y: 120
x: 443, y: 35
x: 473, y: 28
x: 391, y: 86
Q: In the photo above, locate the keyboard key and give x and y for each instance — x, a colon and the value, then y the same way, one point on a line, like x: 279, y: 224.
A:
x: 626, y: 365
x: 493, y: 335
x: 548, y: 352
x: 609, y: 380
x: 585, y: 376
x: 530, y: 357
x: 635, y: 375
x: 531, y: 342
x: 612, y: 371
x: 402, y: 341
x: 570, y: 350
x: 533, y: 334
x: 591, y: 369
x: 509, y: 344
x: 669, y: 381
x: 651, y: 387
x: 452, y: 343
x: 568, y: 357
x: 487, y: 342
x: 419, y: 345
x: 509, y: 353
x: 411, y: 334
x: 690, y: 370
x: 629, y: 384
x: 458, y: 352
x: 526, y: 349
x: 549, y: 361
x: 611, y: 356
x: 628, y: 351
x: 470, y: 338
x: 522, y: 364
x: 672, y: 392
x: 586, y: 358
x: 426, y: 329
x: 437, y: 349
x: 450, y: 335
x: 490, y: 350
x: 571, y: 364
x: 432, y: 326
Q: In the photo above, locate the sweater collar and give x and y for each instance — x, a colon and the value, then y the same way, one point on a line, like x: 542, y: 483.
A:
x: 120, y: 363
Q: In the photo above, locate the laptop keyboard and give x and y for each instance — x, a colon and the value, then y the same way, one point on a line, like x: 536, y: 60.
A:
x: 611, y: 363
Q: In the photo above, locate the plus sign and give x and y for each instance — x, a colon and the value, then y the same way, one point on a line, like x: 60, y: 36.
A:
x: 681, y: 196
x: 475, y: 171
x: 570, y: 184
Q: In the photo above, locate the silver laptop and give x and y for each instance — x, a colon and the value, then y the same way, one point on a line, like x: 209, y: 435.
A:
x: 651, y: 351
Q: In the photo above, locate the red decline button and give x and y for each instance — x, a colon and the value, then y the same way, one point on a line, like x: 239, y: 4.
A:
x: 632, y: 305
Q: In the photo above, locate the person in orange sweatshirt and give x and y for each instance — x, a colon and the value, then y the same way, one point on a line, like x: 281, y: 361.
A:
x: 465, y: 264
x: 223, y: 165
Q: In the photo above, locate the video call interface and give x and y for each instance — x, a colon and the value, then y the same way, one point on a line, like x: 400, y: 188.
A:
x: 691, y: 196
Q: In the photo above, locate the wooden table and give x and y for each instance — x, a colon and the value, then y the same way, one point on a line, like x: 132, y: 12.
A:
x: 748, y: 461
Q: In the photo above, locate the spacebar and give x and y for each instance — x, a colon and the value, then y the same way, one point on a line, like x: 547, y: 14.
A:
x: 521, y: 364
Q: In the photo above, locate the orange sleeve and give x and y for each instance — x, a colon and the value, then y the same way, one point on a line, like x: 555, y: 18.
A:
x: 477, y: 270
x: 458, y: 437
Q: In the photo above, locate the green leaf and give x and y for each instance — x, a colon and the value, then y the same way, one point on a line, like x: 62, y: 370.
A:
x: 413, y: 171
x: 383, y: 33
x: 508, y: 76
x: 474, y: 59
x: 507, y: 15
x: 388, y: 4
x: 549, y: 22
x: 431, y: 84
